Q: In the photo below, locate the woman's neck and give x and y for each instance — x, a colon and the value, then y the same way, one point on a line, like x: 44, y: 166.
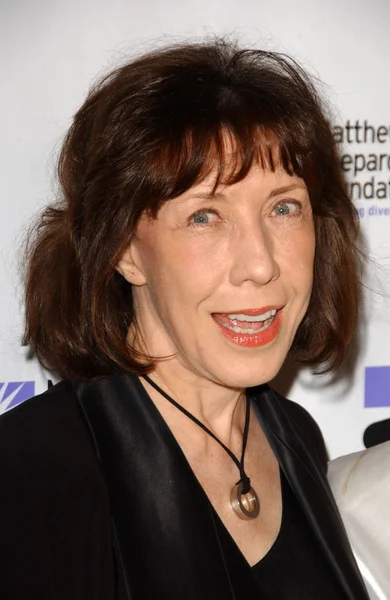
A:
x: 221, y: 409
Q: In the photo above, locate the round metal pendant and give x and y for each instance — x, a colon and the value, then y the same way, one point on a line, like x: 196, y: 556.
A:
x: 246, y: 506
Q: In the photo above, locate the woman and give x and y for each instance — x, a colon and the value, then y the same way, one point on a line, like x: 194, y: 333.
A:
x: 204, y: 233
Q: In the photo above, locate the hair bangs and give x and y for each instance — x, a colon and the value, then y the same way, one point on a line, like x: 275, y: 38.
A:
x: 225, y: 154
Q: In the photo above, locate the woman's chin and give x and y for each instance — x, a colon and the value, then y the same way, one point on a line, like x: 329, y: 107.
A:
x: 246, y: 378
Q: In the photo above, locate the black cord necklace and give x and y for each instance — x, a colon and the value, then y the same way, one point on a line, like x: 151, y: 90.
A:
x: 243, y: 497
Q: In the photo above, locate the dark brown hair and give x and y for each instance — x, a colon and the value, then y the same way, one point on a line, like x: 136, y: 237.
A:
x: 148, y: 132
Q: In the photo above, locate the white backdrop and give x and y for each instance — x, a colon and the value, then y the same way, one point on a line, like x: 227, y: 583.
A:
x: 51, y: 52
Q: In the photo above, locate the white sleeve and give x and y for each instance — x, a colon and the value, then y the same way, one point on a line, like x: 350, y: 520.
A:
x: 361, y: 485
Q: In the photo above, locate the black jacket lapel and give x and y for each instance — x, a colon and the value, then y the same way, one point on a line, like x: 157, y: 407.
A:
x: 163, y: 522
x: 311, y: 488
x: 167, y: 542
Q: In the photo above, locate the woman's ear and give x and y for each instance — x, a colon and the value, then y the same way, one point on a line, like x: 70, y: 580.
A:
x: 129, y: 269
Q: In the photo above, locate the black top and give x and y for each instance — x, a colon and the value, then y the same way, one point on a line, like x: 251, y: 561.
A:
x: 97, y: 502
x: 296, y: 555
x: 294, y: 568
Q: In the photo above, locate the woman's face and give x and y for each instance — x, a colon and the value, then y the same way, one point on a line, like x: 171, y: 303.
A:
x: 223, y: 281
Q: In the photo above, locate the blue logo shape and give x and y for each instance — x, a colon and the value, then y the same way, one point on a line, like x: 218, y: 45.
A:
x: 377, y: 387
x: 15, y: 392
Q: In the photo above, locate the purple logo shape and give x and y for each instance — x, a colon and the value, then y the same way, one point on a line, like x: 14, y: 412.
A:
x: 15, y: 392
x: 377, y: 387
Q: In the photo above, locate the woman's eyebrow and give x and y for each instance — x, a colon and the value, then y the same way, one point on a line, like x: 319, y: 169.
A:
x: 221, y: 196
x: 287, y: 188
x: 206, y: 196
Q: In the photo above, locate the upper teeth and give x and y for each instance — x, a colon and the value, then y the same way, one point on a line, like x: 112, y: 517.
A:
x: 252, y: 318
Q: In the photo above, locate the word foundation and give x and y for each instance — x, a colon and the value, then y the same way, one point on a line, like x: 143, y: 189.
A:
x: 369, y: 190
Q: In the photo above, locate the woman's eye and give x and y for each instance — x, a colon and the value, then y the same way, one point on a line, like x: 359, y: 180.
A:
x: 203, y: 217
x: 286, y: 208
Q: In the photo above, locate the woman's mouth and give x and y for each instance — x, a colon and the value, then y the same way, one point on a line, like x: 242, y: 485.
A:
x: 250, y: 327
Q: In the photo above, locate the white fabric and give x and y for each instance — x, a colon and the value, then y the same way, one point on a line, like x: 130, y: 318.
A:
x: 361, y: 485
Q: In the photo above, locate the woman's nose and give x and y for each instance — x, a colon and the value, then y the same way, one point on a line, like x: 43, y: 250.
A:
x: 254, y: 257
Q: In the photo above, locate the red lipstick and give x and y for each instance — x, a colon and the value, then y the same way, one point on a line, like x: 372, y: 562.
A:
x: 267, y: 330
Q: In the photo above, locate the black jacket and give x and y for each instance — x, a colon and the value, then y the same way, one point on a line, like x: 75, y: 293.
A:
x: 97, y: 501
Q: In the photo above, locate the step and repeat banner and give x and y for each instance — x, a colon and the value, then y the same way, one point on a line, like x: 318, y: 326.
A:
x: 51, y: 53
